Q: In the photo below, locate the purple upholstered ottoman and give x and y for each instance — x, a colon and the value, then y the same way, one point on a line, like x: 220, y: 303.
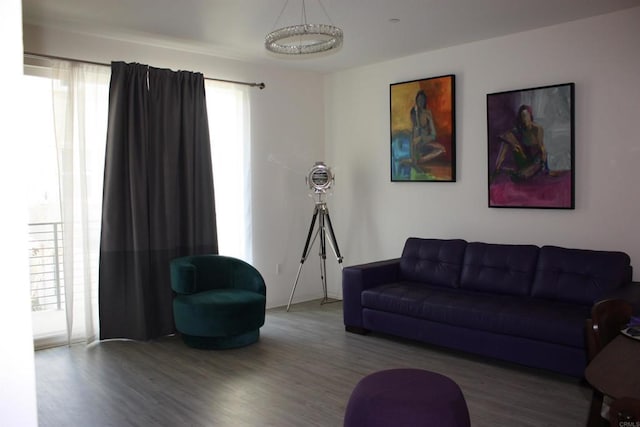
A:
x: 406, y: 397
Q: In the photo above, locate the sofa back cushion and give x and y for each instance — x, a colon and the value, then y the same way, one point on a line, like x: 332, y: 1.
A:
x: 503, y: 269
x: 579, y: 275
x: 432, y: 261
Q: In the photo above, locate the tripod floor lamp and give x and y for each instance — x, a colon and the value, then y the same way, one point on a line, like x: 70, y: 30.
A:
x: 319, y: 179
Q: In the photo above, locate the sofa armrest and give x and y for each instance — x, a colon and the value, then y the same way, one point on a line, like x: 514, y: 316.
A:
x: 357, y: 278
x: 630, y: 293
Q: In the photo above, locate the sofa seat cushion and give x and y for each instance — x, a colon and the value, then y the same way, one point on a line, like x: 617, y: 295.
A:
x: 526, y: 317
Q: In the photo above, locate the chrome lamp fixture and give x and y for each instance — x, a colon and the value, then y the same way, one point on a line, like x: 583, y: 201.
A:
x: 304, y: 38
x: 320, y: 178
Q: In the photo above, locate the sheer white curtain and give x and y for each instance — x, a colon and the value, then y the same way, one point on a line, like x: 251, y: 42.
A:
x: 80, y: 103
x: 229, y: 127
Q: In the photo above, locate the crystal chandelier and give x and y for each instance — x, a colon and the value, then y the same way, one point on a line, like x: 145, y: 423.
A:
x: 304, y: 38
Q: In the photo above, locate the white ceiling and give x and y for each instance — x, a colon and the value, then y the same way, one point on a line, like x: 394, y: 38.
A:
x: 236, y: 28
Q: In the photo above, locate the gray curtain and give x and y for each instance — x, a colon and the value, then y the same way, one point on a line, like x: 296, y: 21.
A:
x: 158, y: 201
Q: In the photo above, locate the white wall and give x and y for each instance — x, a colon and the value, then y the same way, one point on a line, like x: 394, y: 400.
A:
x: 17, y: 371
x: 300, y: 115
x: 287, y: 138
x: 374, y: 216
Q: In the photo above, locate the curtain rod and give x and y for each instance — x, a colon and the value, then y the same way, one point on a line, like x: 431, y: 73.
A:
x: 39, y: 55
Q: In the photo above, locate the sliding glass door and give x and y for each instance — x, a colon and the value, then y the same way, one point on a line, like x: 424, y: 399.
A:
x: 64, y: 309
x: 45, y: 225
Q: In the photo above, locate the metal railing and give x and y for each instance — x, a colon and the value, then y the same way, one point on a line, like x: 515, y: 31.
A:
x: 45, y: 266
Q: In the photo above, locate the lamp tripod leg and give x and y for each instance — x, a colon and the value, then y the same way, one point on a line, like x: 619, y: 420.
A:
x: 294, y: 285
x: 323, y: 257
x: 332, y: 238
x: 305, y: 253
x: 325, y: 231
x: 323, y: 276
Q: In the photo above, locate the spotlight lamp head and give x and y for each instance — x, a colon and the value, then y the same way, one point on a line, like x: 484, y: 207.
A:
x: 320, y: 178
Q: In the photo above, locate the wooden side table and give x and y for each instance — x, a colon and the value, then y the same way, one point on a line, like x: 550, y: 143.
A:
x: 615, y: 370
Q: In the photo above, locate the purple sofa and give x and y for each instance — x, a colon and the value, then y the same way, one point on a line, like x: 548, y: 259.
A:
x: 520, y: 303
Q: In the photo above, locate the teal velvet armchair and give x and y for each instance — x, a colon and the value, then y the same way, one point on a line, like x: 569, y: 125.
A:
x: 219, y: 303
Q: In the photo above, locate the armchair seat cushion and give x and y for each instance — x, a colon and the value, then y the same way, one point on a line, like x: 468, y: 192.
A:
x: 219, y: 312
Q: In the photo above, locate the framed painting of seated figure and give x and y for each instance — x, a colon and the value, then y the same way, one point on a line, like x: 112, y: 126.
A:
x: 423, y: 139
x: 531, y: 148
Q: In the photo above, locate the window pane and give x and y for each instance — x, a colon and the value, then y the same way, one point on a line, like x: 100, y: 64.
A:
x: 228, y: 127
x: 43, y: 197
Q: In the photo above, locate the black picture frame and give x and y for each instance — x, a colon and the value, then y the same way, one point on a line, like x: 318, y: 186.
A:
x: 531, y: 147
x: 423, y: 130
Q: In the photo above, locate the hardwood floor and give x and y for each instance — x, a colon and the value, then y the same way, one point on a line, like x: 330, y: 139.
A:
x: 300, y: 373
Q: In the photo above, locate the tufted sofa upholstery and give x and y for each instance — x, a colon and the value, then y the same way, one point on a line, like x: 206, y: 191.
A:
x: 520, y: 303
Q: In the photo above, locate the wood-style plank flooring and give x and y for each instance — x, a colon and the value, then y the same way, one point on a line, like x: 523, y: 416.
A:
x: 300, y: 373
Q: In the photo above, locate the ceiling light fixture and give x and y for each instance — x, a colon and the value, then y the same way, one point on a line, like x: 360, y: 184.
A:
x: 304, y: 38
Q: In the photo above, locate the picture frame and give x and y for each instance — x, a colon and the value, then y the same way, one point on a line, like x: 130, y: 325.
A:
x: 423, y: 130
x: 531, y: 153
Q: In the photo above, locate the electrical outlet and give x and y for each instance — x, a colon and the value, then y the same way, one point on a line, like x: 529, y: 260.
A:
x: 278, y: 269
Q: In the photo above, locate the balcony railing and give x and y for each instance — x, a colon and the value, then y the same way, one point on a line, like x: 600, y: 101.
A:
x: 45, y: 266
